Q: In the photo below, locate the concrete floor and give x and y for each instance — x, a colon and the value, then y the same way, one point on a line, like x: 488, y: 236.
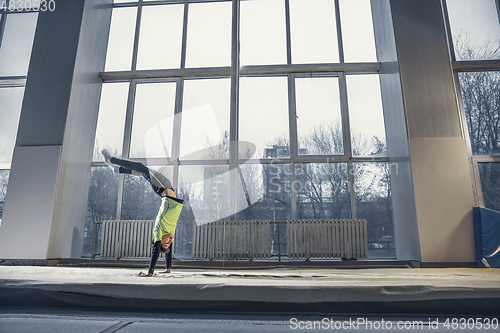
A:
x: 54, y: 321
x: 446, y: 291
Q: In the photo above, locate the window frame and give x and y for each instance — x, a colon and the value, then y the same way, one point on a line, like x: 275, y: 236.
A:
x: 234, y: 72
x: 460, y: 66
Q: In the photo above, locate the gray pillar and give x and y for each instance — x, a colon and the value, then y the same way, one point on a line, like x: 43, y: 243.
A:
x: 45, y: 206
x: 439, y: 161
x: 403, y: 197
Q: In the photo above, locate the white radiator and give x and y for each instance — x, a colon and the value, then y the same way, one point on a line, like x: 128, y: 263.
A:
x: 232, y: 240
x: 327, y: 239
x: 130, y: 238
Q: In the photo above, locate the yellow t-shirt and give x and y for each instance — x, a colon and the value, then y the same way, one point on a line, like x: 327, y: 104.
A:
x: 167, y: 217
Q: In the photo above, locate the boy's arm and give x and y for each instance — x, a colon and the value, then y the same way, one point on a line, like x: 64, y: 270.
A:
x: 168, y: 260
x: 155, y: 253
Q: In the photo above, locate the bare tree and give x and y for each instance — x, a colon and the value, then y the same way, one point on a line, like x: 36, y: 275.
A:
x: 481, y: 97
x: 4, y: 179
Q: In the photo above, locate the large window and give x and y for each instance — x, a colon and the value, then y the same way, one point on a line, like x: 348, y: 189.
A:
x: 17, y: 30
x: 474, y: 32
x: 303, y: 102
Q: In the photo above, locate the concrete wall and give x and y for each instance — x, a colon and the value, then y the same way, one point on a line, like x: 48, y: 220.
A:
x: 59, y: 111
x: 443, y: 189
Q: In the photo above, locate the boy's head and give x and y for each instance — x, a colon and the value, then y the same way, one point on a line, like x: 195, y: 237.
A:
x: 166, y: 241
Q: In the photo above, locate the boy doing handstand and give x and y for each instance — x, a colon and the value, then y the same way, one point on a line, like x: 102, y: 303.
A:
x: 168, y: 214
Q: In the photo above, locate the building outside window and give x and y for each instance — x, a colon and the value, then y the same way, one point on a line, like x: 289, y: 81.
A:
x: 17, y: 30
x: 474, y: 33
x: 305, y: 108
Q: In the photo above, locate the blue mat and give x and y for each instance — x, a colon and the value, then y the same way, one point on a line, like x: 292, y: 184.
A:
x: 487, y: 237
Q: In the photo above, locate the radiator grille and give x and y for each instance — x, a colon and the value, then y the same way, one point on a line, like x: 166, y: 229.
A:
x: 232, y: 240
x: 327, y: 239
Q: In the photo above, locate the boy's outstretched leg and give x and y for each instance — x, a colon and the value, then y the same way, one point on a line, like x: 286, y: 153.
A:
x: 134, y: 168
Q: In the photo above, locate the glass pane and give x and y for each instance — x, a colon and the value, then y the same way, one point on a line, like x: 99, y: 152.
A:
x: 481, y: 96
x: 490, y: 183
x: 121, y: 39
x: 209, y: 35
x: 263, y: 118
x: 152, y: 127
x: 263, y: 33
x: 205, y: 119
x: 101, y: 204
x: 139, y: 200
x: 319, y: 125
x: 357, y: 31
x: 374, y: 203
x: 475, y: 29
x: 313, y: 31
x: 264, y: 193
x: 10, y: 110
x: 111, y: 121
x: 205, y: 190
x: 160, y: 40
x: 322, y: 191
x: 17, y: 42
x: 366, y: 115
x: 4, y: 180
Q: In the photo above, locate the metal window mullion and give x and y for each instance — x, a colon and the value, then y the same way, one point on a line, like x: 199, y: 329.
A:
x: 449, y: 36
x: 204, y: 162
x: 346, y: 133
x: 174, y: 2
x: 476, y: 182
x: 129, y: 116
x: 487, y: 158
x: 497, y: 2
x: 352, y: 188
x: 184, y: 34
x: 292, y: 110
x: 127, y: 137
x: 288, y: 33
x: 344, y: 111
x: 234, y: 110
x: 13, y: 81
x: 176, y: 140
x: 294, y: 149
x: 339, y: 32
x: 254, y: 70
x: 137, y: 35
x: 473, y: 167
x: 3, y: 21
x: 462, y: 115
